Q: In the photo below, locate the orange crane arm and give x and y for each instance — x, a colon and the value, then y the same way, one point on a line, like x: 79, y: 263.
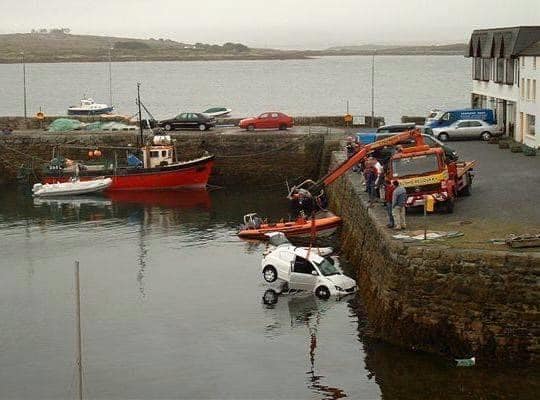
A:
x: 331, y: 176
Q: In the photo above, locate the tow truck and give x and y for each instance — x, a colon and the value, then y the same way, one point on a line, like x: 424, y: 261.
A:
x: 421, y: 169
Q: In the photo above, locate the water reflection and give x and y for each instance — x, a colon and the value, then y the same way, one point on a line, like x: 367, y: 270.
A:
x: 300, y: 310
x: 410, y: 375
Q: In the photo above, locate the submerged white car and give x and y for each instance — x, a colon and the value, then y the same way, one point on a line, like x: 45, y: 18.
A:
x: 303, y: 269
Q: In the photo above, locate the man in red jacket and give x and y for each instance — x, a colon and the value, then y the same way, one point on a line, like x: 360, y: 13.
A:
x: 388, y: 192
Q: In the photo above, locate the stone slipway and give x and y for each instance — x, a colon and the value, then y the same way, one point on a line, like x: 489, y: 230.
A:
x: 452, y: 301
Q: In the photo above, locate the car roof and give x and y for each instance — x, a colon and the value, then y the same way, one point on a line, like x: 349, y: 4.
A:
x: 407, y: 124
x: 313, y: 256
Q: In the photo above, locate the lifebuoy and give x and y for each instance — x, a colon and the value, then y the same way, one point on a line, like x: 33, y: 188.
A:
x: 40, y: 115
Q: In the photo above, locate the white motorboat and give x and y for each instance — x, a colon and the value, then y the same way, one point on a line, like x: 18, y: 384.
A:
x: 71, y: 188
x: 89, y: 107
x: 218, y: 111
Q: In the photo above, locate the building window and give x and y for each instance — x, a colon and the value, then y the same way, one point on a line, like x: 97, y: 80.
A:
x: 534, y: 62
x: 499, y: 70
x: 522, y: 91
x: 531, y: 122
x: 509, y: 72
x: 477, y: 68
x: 522, y: 61
x: 533, y: 90
x: 154, y: 154
x: 528, y: 93
x: 486, y: 69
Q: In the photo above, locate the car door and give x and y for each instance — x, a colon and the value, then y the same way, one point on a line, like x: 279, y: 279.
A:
x: 302, y: 277
x: 193, y: 120
x: 180, y: 121
x: 275, y: 120
x: 262, y: 121
x: 475, y: 128
x: 461, y: 129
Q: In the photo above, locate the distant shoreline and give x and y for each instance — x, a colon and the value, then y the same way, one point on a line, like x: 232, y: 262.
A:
x: 303, y: 56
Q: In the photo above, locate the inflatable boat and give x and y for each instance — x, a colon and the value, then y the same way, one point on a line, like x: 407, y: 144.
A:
x: 324, y: 224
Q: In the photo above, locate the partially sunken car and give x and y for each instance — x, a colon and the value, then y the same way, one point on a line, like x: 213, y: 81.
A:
x: 303, y: 269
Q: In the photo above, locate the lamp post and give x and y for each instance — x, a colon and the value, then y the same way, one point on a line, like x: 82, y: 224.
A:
x: 24, y: 82
x: 110, y: 77
x: 373, y: 89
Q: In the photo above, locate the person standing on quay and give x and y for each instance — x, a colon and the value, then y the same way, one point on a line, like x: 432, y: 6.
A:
x: 388, y: 192
x: 399, y: 200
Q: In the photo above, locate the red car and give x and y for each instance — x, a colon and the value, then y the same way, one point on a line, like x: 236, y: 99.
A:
x: 268, y: 120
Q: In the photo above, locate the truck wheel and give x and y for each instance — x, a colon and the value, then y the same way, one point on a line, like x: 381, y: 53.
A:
x: 485, y: 136
x: 466, y: 191
x: 269, y: 274
x: 449, y: 206
x: 443, y: 137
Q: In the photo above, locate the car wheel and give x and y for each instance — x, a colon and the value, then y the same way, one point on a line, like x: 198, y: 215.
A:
x: 322, y: 292
x: 251, y: 128
x: 443, y: 137
x: 168, y: 127
x: 485, y: 136
x: 202, y: 127
x: 270, y: 297
x: 269, y: 274
x: 283, y: 127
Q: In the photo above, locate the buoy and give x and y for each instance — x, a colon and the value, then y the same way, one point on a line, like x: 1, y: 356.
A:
x: 90, y: 154
x: 40, y: 115
x: 97, y: 153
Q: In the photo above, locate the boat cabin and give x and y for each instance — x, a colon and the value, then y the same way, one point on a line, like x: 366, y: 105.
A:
x: 159, y: 153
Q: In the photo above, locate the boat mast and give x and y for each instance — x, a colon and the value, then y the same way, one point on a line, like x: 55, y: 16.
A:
x: 110, y: 77
x: 140, y: 113
x: 78, y: 326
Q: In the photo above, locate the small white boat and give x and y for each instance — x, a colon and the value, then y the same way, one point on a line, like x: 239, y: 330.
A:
x: 218, y: 111
x: 89, y: 107
x: 71, y: 188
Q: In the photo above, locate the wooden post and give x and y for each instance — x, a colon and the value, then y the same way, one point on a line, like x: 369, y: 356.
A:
x: 78, y: 327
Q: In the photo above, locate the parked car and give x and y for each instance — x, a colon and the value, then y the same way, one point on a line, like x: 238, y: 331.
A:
x: 467, y: 129
x: 199, y: 121
x: 305, y: 270
x: 268, y: 120
x: 451, y: 116
x: 396, y: 128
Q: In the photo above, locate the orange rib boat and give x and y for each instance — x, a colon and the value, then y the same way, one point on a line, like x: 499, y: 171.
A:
x: 324, y: 224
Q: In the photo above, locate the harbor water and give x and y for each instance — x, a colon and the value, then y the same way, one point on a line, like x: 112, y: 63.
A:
x: 172, y: 307
x: 404, y: 85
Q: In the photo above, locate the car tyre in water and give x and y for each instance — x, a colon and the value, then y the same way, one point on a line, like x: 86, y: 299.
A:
x: 269, y: 274
x: 443, y: 137
x: 251, y: 128
x: 270, y: 297
x: 485, y: 136
x: 322, y: 292
x: 283, y: 127
x: 168, y: 127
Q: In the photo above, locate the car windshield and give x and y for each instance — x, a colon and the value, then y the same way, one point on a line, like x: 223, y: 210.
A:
x: 327, y: 267
x: 418, y: 165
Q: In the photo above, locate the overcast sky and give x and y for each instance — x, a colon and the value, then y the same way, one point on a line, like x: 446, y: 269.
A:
x: 273, y: 23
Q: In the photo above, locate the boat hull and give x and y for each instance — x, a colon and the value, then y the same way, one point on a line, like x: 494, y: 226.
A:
x: 323, y: 226
x: 81, y: 111
x: 190, y: 175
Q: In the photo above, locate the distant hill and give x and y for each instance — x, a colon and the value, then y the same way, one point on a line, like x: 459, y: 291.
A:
x: 59, y: 46
x: 64, y: 47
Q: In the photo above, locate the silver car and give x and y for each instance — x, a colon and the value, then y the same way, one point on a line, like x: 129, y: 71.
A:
x: 471, y: 128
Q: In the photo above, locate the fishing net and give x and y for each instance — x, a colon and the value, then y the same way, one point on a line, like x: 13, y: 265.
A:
x: 64, y: 125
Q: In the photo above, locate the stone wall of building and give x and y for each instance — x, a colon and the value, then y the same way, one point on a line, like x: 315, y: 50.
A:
x: 455, y: 302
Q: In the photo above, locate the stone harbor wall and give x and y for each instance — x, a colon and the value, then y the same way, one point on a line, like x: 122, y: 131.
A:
x: 455, y: 302
x: 262, y: 159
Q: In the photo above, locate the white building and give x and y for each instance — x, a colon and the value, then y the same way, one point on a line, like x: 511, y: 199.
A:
x: 505, y: 73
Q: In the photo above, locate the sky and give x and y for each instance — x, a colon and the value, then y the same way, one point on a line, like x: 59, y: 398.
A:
x: 293, y: 24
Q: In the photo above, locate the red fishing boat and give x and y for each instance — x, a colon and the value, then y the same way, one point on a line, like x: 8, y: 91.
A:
x: 157, y: 171
x: 324, y: 223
